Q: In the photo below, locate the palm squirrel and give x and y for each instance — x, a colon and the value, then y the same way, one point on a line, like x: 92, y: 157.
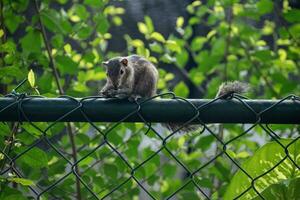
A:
x: 130, y: 77
x: 135, y: 77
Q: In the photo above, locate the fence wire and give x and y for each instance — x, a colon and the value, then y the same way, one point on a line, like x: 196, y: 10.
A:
x: 48, y: 184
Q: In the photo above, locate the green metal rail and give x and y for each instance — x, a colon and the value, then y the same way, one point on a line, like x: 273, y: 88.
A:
x: 158, y: 110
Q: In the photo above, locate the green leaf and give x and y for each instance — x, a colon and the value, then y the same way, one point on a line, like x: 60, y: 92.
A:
x: 80, y: 11
x: 117, y: 20
x: 87, y: 161
x: 62, y: 1
x: 143, y: 28
x: 84, y: 32
x: 111, y: 171
x: 169, y: 170
x: 243, y: 154
x: 149, y: 24
x: 218, y: 47
x: 94, y: 3
x: 292, y: 16
x: 181, y: 90
x: 57, y: 41
x: 22, y: 181
x: 182, y: 58
x: 295, y: 30
x: 188, y: 32
x: 13, y: 71
x: 264, y: 6
x: 8, y: 193
x: 288, y: 189
x: 264, y: 159
x: 15, y: 197
x: 263, y: 55
x: 34, y: 158
x: 198, y: 43
x: 158, y: 37
x: 143, y: 51
x: 133, y: 151
x: 204, y: 182
x: 45, y: 82
x: 186, y: 194
x: 181, y: 142
x: 66, y: 65
x: 31, y: 42
x: 102, y: 23
x: 231, y: 153
x: 205, y: 142
x: 1, y: 33
x: 12, y: 21
x: 32, y: 130
x: 9, y: 47
x: 4, y: 129
x: 19, y: 6
x: 2, y: 156
x: 173, y: 46
x: 137, y: 43
x: 51, y: 20
x: 156, y: 47
x: 31, y: 78
x: 179, y: 22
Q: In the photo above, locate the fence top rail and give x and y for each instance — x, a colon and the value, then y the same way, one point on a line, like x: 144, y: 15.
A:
x: 96, y: 109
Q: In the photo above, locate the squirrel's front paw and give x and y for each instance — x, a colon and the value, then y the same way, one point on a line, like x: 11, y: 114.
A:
x: 108, y: 93
x: 121, y: 96
x: 134, y: 97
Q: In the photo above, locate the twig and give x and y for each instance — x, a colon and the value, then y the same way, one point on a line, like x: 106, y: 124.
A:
x: 51, y: 60
x: 61, y: 92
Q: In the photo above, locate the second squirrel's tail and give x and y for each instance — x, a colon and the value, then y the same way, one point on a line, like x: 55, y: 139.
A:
x: 225, y: 89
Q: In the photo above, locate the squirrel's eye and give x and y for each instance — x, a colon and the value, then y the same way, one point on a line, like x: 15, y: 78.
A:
x: 121, y: 71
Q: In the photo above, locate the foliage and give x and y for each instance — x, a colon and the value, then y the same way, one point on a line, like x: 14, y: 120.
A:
x: 255, y: 41
x: 273, y: 184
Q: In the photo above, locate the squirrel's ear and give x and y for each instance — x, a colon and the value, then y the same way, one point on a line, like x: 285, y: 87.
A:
x: 105, y: 63
x: 124, y: 61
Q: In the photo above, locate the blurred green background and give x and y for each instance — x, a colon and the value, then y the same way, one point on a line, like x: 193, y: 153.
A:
x: 196, y: 45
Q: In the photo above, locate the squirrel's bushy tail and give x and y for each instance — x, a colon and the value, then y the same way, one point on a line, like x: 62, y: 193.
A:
x: 232, y: 87
x: 225, y: 89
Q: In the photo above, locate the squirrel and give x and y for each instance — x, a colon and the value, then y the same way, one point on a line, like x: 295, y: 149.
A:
x: 135, y: 77
x: 130, y: 77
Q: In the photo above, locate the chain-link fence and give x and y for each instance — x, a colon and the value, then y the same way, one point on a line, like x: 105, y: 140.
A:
x: 139, y: 175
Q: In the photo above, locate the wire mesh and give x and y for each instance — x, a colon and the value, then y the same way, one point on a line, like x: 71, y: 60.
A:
x: 137, y: 175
